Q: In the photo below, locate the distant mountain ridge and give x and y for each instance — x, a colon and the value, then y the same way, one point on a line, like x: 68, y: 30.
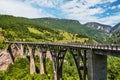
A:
x: 115, y: 37
x: 104, y: 27
x: 114, y: 31
x: 48, y: 26
x: 99, y: 26
x: 115, y: 28
x: 25, y: 29
x: 72, y: 26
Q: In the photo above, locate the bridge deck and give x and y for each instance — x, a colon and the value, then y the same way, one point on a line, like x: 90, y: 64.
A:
x: 84, y: 46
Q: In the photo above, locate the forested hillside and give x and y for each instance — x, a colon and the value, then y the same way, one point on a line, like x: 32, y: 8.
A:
x: 115, y: 37
x: 73, y: 26
x: 115, y: 34
x: 50, y: 30
x: 23, y: 29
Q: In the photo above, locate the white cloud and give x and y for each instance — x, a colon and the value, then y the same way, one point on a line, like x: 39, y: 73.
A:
x: 113, y: 7
x: 85, y: 11
x: 82, y: 10
x: 119, y: 6
x: 45, y: 3
x: 113, y: 19
x: 112, y: 1
x: 17, y: 8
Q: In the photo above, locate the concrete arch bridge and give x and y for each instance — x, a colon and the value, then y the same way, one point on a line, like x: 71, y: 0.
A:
x: 90, y: 60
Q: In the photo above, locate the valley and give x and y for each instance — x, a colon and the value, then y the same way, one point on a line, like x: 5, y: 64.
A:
x: 54, y: 30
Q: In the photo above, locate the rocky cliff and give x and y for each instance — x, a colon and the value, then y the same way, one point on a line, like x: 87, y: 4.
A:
x: 115, y: 28
x: 99, y: 26
x: 5, y: 60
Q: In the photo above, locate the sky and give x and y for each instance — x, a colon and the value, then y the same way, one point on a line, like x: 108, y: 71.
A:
x: 102, y: 11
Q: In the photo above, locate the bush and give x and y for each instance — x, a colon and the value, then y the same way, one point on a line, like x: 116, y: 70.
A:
x: 2, y: 44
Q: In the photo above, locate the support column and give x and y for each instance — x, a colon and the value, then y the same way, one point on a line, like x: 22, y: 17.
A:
x: 85, y: 65
x: 11, y: 53
x: 32, y: 62
x: 21, y: 50
x: 42, y: 56
x: 25, y: 51
x: 97, y: 66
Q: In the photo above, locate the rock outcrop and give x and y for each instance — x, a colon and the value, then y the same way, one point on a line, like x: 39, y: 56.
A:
x: 115, y: 28
x: 98, y: 26
x: 5, y: 60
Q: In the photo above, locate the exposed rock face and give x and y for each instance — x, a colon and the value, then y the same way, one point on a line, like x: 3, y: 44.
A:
x: 5, y: 60
x: 115, y: 28
x: 99, y: 26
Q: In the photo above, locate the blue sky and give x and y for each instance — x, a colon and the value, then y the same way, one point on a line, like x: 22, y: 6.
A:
x: 102, y: 11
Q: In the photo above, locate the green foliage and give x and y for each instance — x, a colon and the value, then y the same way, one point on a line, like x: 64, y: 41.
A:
x: 69, y: 68
x: 23, y: 29
x: 115, y: 37
x: 73, y: 26
x: 2, y: 75
x: 20, y: 71
x: 49, y: 69
x: 113, y: 68
x: 2, y: 44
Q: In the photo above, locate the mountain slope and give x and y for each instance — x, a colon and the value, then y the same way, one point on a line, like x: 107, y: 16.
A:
x: 115, y: 37
x: 72, y: 26
x: 99, y: 26
x: 115, y: 28
x: 24, y: 29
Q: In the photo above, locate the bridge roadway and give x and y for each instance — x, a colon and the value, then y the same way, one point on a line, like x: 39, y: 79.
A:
x: 109, y: 48
x: 94, y: 57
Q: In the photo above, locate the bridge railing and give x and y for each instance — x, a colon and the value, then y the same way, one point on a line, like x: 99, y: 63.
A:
x: 89, y: 46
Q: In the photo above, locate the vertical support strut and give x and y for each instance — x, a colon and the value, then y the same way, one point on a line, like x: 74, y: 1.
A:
x: 11, y: 53
x: 32, y: 62
x: 97, y: 66
x: 85, y: 65
x: 22, y: 50
x: 42, y: 56
x: 25, y: 50
x: 58, y: 54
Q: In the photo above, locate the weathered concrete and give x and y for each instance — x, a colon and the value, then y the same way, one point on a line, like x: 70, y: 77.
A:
x: 32, y: 62
x: 21, y: 51
x: 97, y: 66
x: 42, y: 68
x: 48, y: 55
x: 13, y: 52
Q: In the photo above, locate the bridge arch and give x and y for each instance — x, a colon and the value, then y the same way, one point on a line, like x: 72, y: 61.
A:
x: 96, y: 57
x: 80, y: 60
x: 58, y: 54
